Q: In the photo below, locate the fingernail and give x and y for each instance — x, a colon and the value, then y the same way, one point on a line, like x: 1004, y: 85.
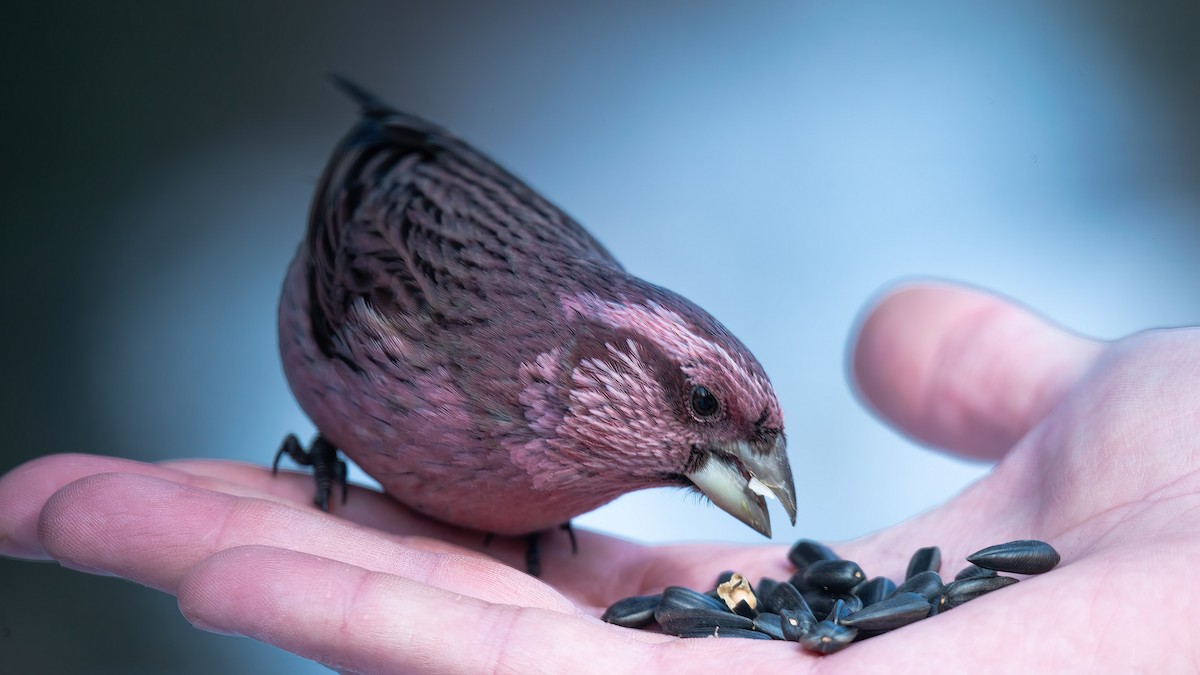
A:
x: 72, y: 565
x: 210, y: 628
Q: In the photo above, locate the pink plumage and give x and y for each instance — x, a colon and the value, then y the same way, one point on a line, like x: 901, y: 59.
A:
x: 482, y: 356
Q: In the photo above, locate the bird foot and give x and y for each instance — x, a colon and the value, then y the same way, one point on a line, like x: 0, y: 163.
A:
x: 533, y: 547
x: 322, y: 456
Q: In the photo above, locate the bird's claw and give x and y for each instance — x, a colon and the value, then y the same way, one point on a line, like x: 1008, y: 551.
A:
x: 327, y: 467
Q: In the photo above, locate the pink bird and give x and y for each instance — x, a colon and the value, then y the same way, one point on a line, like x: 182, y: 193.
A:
x: 485, y: 359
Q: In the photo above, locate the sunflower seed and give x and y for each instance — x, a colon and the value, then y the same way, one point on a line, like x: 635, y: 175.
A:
x: 678, y: 597
x: 677, y: 621
x: 785, y: 596
x: 796, y: 623
x: 898, y: 610
x: 724, y: 633
x: 873, y: 590
x: 771, y: 624
x: 822, y: 603
x: 633, y: 612
x: 806, y: 552
x: 928, y: 584
x: 832, y: 575
x: 958, y: 592
x: 838, y: 612
x: 928, y: 559
x: 1024, y: 556
x: 764, y: 589
x: 974, y: 572
x: 828, y: 637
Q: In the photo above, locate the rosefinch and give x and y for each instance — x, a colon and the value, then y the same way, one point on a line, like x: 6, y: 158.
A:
x: 482, y: 356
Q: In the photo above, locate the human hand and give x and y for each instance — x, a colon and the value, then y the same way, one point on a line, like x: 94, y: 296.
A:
x: 1099, y: 455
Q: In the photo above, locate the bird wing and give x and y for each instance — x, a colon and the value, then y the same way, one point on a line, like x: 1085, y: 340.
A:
x: 422, y: 226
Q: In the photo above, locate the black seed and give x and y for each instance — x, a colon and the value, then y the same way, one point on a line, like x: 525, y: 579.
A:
x: 1025, y: 556
x: 743, y: 608
x: 724, y: 633
x: 797, y: 579
x: 796, y: 623
x: 785, y: 596
x: 928, y: 584
x: 958, y: 592
x: 974, y: 572
x: 677, y: 621
x: 678, y: 597
x: 838, y: 612
x: 928, y: 559
x: 806, y: 552
x: 764, y: 589
x: 873, y: 590
x: 821, y: 603
x: 832, y: 575
x: 769, y: 623
x: 828, y: 637
x: 633, y: 612
x: 898, y: 610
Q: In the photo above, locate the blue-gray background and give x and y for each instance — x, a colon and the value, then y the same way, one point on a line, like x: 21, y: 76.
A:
x: 776, y: 162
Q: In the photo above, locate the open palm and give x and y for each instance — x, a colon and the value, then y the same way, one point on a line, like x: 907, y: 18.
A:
x: 1100, y: 455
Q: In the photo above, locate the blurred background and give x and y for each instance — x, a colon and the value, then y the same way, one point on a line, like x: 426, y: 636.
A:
x: 778, y: 163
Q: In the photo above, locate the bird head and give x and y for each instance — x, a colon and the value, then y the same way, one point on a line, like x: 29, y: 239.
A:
x: 660, y: 391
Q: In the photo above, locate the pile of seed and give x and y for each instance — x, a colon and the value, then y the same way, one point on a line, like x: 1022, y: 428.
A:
x: 853, y: 607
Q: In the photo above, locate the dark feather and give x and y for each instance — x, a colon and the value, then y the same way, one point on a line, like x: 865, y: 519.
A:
x: 425, y: 228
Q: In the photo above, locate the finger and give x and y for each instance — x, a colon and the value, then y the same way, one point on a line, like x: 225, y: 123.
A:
x: 963, y: 370
x: 25, y: 489
x: 603, y: 569
x: 153, y: 531
x: 362, y: 505
x: 365, y: 622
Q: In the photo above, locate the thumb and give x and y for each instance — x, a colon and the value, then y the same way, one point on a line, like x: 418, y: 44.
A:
x: 964, y: 370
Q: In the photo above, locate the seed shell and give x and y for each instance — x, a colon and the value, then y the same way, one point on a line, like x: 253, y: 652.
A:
x: 785, y: 596
x: 1024, y: 556
x: 678, y: 621
x: 832, y: 575
x: 974, y: 572
x: 806, y: 552
x: 739, y: 596
x: 958, y: 592
x: 928, y: 584
x: 764, y: 588
x: 771, y: 624
x: 633, y: 612
x: 821, y: 603
x: 898, y: 610
x: 724, y: 633
x: 874, y: 589
x: 828, y: 637
x: 928, y: 559
x: 796, y: 624
x: 678, y: 597
x: 839, y: 611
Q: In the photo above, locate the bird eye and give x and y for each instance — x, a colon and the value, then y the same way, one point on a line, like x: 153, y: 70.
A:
x: 704, y: 403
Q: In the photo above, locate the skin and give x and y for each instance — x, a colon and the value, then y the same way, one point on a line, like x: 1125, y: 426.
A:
x: 1099, y: 453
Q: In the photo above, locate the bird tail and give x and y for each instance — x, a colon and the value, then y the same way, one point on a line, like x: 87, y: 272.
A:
x: 371, y: 105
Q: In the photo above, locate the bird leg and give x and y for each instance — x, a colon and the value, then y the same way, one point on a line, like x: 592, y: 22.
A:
x: 533, y: 549
x: 571, y: 533
x: 322, y: 456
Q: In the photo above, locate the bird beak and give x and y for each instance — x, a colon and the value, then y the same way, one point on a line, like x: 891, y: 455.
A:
x: 736, y: 476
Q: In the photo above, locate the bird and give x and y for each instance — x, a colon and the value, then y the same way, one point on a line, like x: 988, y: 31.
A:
x: 487, y: 360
